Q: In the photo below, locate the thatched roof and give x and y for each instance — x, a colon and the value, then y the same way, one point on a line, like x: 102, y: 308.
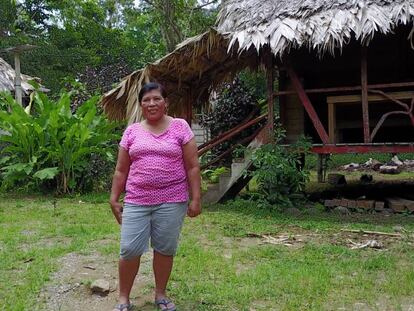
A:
x: 244, y: 27
x: 188, y: 73
x: 7, y: 75
x: 322, y: 25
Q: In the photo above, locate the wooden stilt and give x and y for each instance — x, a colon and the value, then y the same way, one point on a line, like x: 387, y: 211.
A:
x: 270, y: 91
x: 189, y: 108
x: 364, y: 86
x: 307, y: 104
x: 320, y: 168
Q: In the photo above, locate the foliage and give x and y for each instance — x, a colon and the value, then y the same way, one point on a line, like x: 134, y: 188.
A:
x: 75, y: 35
x: 234, y: 103
x: 255, y: 82
x: 53, y: 146
x: 279, y: 171
x: 212, y: 175
x: 180, y: 19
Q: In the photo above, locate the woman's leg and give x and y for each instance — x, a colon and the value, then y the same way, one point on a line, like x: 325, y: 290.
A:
x: 135, y: 233
x: 162, y: 266
x: 166, y: 223
x: 128, y: 269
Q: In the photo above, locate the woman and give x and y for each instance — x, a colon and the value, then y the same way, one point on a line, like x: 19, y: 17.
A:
x: 157, y: 166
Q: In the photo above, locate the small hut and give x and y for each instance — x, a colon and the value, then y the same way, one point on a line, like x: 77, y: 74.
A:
x: 7, y: 76
x: 345, y: 69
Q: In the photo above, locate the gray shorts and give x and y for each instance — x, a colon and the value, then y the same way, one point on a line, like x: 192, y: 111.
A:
x: 162, y: 223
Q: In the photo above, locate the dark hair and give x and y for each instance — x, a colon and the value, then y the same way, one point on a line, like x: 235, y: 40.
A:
x: 148, y: 87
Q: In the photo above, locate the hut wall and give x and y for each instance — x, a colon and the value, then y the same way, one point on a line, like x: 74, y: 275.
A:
x: 292, y: 114
x: 390, y: 60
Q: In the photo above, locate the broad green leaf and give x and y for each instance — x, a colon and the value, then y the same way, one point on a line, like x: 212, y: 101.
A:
x: 47, y: 173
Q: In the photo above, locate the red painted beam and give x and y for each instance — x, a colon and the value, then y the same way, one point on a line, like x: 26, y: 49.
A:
x: 307, y: 104
x: 363, y: 149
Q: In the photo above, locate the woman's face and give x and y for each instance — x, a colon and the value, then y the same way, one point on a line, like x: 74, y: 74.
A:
x: 153, y: 105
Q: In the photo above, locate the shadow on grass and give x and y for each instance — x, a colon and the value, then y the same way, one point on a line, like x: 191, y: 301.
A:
x: 253, y: 210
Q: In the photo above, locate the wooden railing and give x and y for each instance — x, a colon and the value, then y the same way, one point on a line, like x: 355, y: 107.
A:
x: 248, y: 122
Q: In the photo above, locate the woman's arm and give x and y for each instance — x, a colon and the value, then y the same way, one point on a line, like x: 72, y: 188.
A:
x: 118, y: 182
x: 192, y: 167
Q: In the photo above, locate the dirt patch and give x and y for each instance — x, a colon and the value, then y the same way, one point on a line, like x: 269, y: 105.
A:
x: 382, y: 304
x: 45, y: 243
x: 69, y: 286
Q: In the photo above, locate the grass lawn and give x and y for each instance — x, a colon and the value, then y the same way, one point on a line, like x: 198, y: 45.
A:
x: 220, y: 266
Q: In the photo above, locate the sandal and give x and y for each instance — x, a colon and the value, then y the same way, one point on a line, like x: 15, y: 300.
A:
x: 164, y: 302
x: 123, y: 306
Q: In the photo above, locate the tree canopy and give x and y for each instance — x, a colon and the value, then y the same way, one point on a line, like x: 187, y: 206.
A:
x: 75, y: 36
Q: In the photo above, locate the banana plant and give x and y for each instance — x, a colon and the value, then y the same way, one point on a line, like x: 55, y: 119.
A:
x: 52, y: 143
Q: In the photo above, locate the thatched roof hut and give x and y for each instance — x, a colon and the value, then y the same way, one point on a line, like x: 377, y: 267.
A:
x: 7, y: 76
x: 246, y: 30
x: 188, y: 73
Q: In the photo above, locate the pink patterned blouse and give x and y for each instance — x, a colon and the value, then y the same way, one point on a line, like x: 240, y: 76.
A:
x: 157, y: 174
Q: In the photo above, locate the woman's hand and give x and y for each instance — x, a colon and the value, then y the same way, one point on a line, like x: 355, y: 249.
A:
x: 117, y: 211
x: 194, y: 209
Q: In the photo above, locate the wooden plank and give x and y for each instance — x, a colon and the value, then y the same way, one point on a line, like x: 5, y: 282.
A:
x: 228, y: 151
x: 396, y: 204
x: 229, y: 135
x: 363, y: 149
x: 401, y: 204
x: 189, y: 108
x: 364, y: 91
x: 307, y: 104
x: 354, y: 99
x: 340, y: 89
x: 332, y: 123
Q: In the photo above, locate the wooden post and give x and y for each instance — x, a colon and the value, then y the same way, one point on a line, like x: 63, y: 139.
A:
x: 189, y: 108
x: 270, y: 91
x: 364, y: 86
x: 332, y: 123
x: 307, y: 104
x: 16, y: 51
x: 17, y: 79
x: 320, y: 168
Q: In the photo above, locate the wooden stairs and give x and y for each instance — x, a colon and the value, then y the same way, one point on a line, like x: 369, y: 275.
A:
x: 232, y: 182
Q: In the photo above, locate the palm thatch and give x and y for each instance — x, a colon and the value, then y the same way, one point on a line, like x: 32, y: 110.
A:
x: 322, y: 25
x: 188, y: 73
x: 244, y: 28
x: 7, y: 75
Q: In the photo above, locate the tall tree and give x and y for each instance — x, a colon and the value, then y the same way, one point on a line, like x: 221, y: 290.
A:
x: 8, y: 12
x: 179, y: 19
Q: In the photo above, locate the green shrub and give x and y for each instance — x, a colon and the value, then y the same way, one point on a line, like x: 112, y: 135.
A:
x: 52, y: 147
x: 279, y: 171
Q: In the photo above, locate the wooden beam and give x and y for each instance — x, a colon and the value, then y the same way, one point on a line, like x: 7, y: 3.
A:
x: 383, y: 148
x: 228, y: 151
x: 364, y: 92
x: 18, y: 92
x: 189, y: 107
x: 229, y: 135
x: 307, y: 104
x: 332, y: 123
x: 348, y: 88
x: 378, y: 97
x: 270, y: 91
